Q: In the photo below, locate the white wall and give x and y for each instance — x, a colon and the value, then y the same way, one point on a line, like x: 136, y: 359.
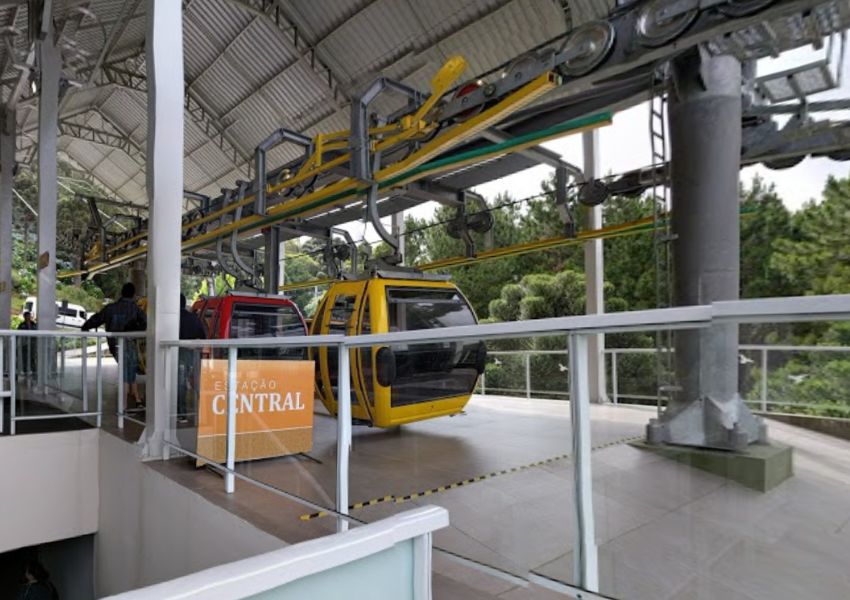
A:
x: 71, y: 566
x: 50, y: 487
x: 153, y: 529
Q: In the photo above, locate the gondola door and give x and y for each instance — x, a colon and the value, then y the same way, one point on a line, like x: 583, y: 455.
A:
x: 342, y: 312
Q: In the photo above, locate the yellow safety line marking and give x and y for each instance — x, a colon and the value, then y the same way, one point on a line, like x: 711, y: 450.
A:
x: 444, y: 488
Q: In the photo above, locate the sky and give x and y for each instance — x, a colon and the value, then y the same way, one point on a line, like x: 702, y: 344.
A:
x: 624, y: 145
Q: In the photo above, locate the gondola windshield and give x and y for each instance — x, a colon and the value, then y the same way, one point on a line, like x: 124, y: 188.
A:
x: 430, y: 371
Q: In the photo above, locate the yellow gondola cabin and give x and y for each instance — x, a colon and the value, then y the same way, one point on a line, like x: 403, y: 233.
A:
x: 406, y: 382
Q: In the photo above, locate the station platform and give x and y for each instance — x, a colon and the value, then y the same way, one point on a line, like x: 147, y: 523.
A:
x: 502, y: 469
x: 665, y: 531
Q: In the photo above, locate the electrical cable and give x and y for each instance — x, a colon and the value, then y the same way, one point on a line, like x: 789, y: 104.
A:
x: 540, y: 196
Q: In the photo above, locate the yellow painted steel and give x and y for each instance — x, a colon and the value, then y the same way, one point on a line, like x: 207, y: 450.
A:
x: 348, y: 188
x: 605, y: 233
x: 371, y: 401
x: 484, y: 156
x: 539, y: 245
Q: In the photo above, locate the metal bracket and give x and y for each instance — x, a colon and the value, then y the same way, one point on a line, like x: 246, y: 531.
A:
x: 234, y: 240
x: 562, y: 203
x: 464, y: 223
x: 361, y: 167
x: 278, y: 136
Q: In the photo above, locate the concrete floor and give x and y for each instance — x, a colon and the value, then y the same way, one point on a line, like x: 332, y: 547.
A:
x: 665, y: 531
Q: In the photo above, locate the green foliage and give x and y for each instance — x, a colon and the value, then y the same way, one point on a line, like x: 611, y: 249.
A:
x: 303, y: 265
x: 808, y: 385
x: 816, y: 256
x: 765, y: 224
x: 629, y: 260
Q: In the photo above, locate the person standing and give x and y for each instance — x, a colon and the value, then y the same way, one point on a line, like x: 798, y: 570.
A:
x: 191, y: 328
x: 37, y: 584
x: 123, y: 315
x: 28, y: 359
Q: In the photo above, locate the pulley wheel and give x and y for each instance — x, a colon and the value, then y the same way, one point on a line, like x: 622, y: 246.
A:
x: 742, y: 8
x: 588, y: 46
x: 464, y: 90
x: 654, y: 26
x: 841, y: 155
x: 784, y: 163
x: 523, y: 68
x: 593, y: 193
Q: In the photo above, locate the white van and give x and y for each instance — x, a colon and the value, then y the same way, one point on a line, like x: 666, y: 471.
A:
x: 67, y: 315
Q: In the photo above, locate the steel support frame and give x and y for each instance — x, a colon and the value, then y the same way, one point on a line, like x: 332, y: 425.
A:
x: 277, y: 13
x: 7, y: 187
x: 398, y: 230
x: 211, y: 126
x: 277, y: 137
x: 50, y: 61
x: 103, y: 137
x: 708, y: 411
x: 164, y: 59
x: 272, y: 264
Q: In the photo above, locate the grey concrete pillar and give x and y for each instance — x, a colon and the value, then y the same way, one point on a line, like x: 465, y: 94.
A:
x: 271, y: 267
x: 594, y: 271
x: 7, y: 184
x: 705, y: 134
x: 139, y: 277
x: 164, y: 61
x: 48, y: 132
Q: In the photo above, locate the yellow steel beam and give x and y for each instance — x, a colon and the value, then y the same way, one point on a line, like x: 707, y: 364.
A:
x: 457, y: 135
x: 540, y: 245
x: 605, y: 233
x: 346, y: 189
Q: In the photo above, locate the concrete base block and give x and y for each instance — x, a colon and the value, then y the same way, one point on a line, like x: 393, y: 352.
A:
x: 760, y: 467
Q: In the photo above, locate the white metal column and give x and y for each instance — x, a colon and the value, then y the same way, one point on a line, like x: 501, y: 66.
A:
x: 343, y: 434
x: 585, y: 559
x: 164, y: 61
x: 7, y: 183
x: 594, y: 271
x: 48, y: 132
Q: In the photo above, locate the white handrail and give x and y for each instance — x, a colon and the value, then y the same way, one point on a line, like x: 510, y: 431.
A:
x: 795, y: 309
x: 273, y: 570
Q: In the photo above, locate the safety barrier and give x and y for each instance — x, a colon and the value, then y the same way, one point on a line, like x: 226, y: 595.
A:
x: 389, y: 559
x: 758, y: 397
x: 39, y: 357
x: 578, y: 329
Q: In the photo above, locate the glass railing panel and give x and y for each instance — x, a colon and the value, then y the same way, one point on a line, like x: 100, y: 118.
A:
x: 285, y: 440
x: 765, y: 521
x: 496, y: 460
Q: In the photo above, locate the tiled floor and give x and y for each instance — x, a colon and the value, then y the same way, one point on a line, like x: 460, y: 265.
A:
x: 665, y: 531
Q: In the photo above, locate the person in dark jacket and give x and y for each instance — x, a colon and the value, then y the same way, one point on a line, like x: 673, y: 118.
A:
x: 191, y: 328
x: 120, y: 316
x: 37, y: 584
x: 28, y: 357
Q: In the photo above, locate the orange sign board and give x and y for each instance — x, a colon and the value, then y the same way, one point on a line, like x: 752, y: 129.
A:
x: 274, y: 408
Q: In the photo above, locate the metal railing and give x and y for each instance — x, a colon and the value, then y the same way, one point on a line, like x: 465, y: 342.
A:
x: 577, y: 329
x: 329, y: 565
x: 758, y: 398
x: 49, y: 348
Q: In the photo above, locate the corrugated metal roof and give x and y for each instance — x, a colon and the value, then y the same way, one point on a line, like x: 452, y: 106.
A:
x: 244, y: 69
